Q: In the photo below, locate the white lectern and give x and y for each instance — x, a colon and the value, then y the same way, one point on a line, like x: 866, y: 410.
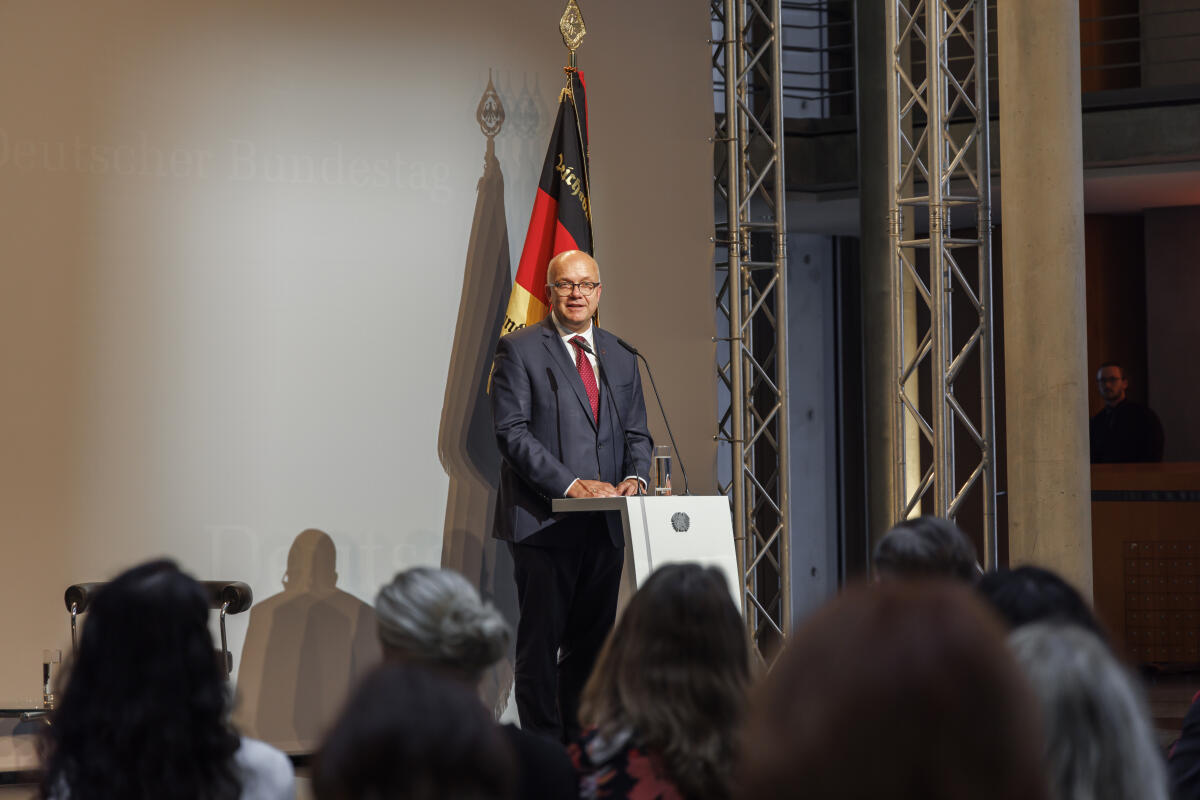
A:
x: 664, y: 529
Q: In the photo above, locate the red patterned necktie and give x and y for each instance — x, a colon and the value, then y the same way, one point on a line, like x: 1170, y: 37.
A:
x: 587, y: 374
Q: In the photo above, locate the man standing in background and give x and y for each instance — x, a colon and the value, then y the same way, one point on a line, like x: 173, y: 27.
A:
x: 1123, y: 431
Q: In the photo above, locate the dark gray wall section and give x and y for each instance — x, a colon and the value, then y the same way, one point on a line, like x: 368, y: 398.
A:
x: 1173, y: 326
x: 812, y: 420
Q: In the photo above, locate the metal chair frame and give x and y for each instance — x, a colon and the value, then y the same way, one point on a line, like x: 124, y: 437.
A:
x: 231, y: 597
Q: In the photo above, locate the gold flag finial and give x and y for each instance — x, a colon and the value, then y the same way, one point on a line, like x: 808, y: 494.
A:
x: 571, y: 26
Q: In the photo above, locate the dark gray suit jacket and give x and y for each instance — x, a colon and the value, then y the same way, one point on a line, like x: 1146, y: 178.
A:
x: 545, y: 429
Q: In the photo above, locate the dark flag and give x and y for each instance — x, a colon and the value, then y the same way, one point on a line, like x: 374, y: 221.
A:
x: 562, y: 211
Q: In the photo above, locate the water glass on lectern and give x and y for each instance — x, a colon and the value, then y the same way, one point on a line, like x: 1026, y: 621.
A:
x: 662, y: 469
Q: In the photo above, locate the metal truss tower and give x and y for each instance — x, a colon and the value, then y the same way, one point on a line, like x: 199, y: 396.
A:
x: 940, y: 230
x: 751, y: 299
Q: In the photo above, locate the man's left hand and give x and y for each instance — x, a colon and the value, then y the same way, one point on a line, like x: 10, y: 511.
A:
x: 629, y: 487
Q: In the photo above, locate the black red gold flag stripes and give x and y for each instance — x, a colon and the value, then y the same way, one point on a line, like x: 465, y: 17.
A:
x: 562, y: 210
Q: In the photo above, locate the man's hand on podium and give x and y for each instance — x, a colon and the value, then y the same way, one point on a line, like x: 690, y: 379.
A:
x: 586, y: 488
x: 629, y: 487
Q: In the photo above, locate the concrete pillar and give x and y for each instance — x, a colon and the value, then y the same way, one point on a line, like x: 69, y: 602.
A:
x: 871, y: 51
x: 1045, y: 332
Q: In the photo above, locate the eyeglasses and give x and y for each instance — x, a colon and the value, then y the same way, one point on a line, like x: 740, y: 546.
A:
x: 567, y: 288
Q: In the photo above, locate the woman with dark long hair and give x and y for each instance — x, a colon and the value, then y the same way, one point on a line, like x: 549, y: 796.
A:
x: 145, y: 711
x: 663, y: 709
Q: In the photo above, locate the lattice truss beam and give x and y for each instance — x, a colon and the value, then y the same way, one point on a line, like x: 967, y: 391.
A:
x: 940, y: 228
x: 751, y: 301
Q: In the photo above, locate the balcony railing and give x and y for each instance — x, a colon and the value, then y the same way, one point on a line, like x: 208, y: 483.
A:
x: 1124, y: 44
x: 818, y: 58
x: 1127, y: 44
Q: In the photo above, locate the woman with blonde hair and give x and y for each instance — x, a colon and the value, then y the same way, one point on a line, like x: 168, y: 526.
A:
x: 663, y: 708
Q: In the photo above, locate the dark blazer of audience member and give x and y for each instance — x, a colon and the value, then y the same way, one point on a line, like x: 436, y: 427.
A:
x: 409, y: 734
x: 1183, y: 759
x: 1034, y: 594
x: 664, y: 706
x: 903, y: 690
x: 1099, y: 741
x: 1123, y: 431
x: 435, y: 618
x: 926, y: 547
x: 145, y: 711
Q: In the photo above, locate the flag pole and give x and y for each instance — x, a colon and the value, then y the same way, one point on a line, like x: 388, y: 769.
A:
x: 573, y: 29
x: 561, y: 218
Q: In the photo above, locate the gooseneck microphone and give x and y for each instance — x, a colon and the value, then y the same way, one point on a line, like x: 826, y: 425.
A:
x: 661, y: 410
x: 587, y: 348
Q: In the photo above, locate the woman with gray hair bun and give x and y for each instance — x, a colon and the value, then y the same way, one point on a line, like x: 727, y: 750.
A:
x: 1100, y: 744
x: 435, y: 618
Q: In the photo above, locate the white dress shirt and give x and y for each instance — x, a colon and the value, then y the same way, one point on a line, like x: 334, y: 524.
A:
x: 567, y: 336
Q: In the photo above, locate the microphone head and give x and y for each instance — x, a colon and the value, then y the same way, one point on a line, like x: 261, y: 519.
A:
x: 583, y: 345
x: 627, y: 346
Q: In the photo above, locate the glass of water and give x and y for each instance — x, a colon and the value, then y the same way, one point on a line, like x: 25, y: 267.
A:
x: 51, y: 661
x: 662, y: 470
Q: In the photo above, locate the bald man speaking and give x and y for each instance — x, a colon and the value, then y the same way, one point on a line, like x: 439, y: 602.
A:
x: 570, y: 422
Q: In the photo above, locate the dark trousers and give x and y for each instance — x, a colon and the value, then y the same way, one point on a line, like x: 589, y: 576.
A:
x: 567, y: 588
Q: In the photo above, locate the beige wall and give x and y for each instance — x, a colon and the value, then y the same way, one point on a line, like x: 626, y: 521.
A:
x: 233, y: 252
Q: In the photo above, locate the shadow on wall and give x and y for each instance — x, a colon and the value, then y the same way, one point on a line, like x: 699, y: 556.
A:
x: 466, y: 442
x: 522, y: 144
x: 305, y: 648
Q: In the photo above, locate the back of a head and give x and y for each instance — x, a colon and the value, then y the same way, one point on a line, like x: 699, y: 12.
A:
x: 675, y: 671
x: 902, y: 690
x: 435, y: 617
x: 409, y: 734
x: 925, y: 547
x: 1100, y: 744
x: 147, y: 677
x: 1034, y: 594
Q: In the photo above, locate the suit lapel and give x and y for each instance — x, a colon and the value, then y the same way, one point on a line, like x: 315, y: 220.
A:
x: 603, y: 341
x: 566, y: 367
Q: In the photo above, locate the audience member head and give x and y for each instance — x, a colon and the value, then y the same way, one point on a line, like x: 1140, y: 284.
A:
x: 903, y: 690
x: 435, y: 617
x: 925, y: 547
x: 1099, y: 741
x: 409, y: 734
x: 1033, y: 594
x: 144, y: 713
x: 675, y: 672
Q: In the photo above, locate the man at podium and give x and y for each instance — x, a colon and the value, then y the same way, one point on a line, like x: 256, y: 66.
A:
x: 570, y: 421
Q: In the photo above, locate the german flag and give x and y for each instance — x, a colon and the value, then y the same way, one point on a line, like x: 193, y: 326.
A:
x: 562, y: 211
